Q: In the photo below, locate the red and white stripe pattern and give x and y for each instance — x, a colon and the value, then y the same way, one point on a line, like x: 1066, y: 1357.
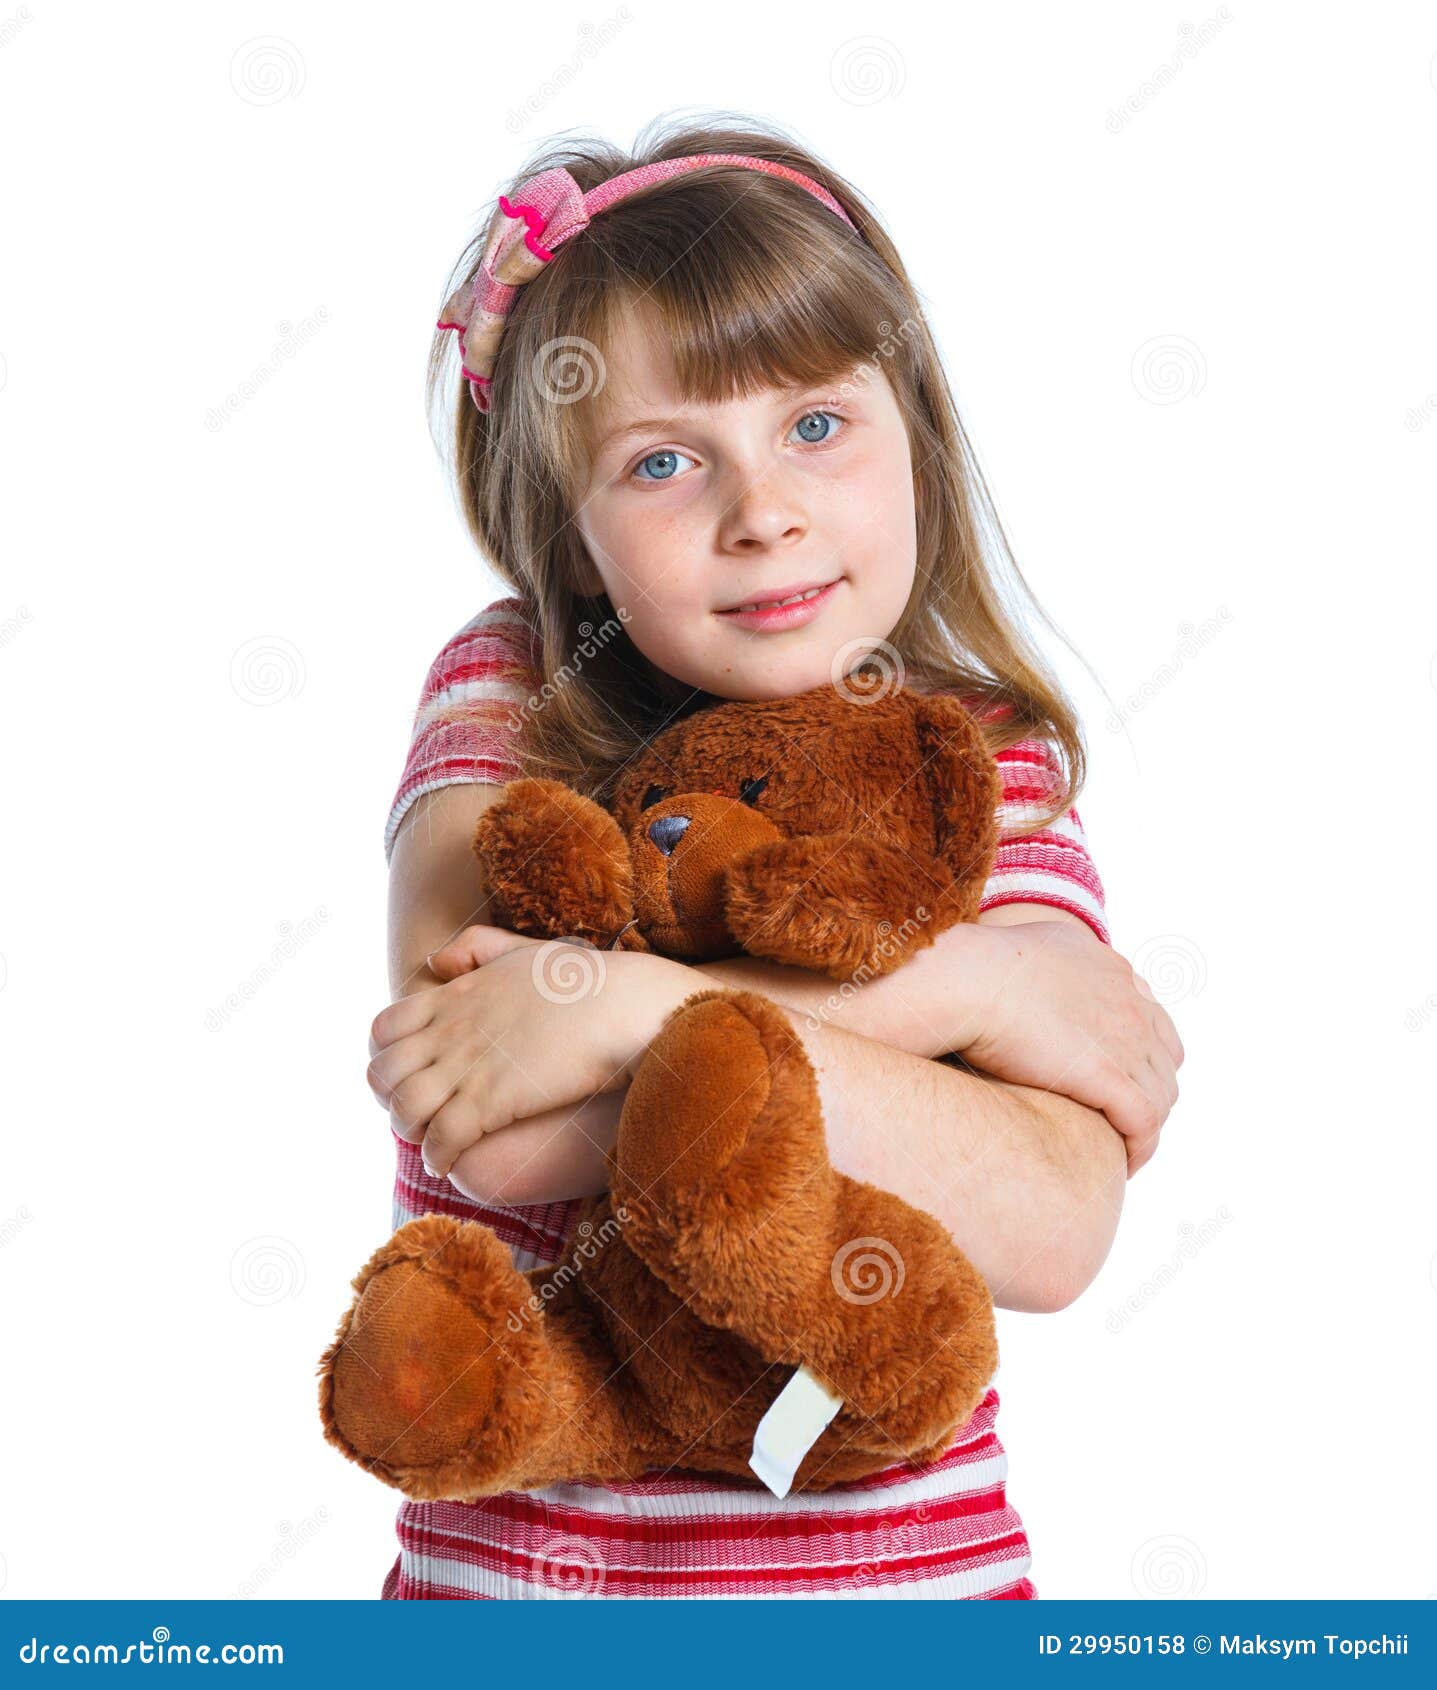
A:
x: 489, y: 668
x: 944, y: 1529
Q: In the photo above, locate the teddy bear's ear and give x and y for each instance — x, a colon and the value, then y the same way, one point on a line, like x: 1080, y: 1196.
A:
x: 967, y: 792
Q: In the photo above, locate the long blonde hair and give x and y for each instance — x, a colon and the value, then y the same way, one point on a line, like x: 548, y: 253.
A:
x: 758, y: 285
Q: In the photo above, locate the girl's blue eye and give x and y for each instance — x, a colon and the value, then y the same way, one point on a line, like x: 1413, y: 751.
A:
x: 666, y: 462
x: 817, y: 440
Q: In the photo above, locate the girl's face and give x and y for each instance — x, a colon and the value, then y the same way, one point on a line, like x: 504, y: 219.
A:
x: 691, y: 513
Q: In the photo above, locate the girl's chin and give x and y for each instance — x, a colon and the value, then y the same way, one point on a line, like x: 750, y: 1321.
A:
x: 756, y: 681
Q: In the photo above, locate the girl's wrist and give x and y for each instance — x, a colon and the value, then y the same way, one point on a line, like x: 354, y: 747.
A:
x: 651, y: 988
x: 936, y: 1002
x: 933, y: 1004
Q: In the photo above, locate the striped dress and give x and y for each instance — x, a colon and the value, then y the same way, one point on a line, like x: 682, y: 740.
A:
x: 941, y: 1529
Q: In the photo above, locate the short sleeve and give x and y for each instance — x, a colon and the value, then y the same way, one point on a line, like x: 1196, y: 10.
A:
x: 489, y: 669
x: 1053, y: 865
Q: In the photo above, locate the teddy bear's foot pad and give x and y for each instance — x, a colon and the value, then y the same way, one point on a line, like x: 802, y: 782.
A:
x: 424, y: 1362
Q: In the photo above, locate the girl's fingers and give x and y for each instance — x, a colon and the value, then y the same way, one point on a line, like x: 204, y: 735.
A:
x: 1162, y: 1021
x: 452, y: 1129
x: 453, y: 959
x: 1142, y: 1157
x: 1160, y: 1064
x: 414, y: 1101
x: 1137, y: 1113
x: 1168, y: 1033
x: 472, y: 949
x: 1159, y: 1086
x: 397, y: 1063
x: 402, y: 1018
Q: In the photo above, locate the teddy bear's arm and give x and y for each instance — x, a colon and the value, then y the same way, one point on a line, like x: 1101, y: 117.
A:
x: 556, y: 864
x: 839, y: 904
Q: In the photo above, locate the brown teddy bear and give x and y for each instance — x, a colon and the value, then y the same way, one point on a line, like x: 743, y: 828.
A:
x: 839, y: 830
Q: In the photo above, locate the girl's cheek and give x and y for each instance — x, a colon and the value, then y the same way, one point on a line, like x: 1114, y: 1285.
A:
x: 651, y: 555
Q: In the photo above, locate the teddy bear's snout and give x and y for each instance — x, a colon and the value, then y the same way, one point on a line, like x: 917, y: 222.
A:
x: 681, y: 847
x: 667, y: 831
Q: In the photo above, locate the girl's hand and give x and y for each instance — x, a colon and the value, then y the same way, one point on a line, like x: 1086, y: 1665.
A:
x: 520, y: 1027
x: 1065, y: 1013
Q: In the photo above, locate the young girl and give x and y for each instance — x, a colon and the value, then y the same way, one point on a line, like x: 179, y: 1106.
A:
x: 692, y: 393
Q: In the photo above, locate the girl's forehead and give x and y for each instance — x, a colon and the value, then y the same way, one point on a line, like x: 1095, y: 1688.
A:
x: 643, y: 378
x: 639, y: 384
x: 638, y: 379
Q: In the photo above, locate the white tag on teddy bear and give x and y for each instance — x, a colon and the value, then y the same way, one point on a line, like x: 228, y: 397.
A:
x: 794, y: 1422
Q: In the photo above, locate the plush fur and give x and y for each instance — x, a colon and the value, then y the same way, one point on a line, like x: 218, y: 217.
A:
x: 838, y: 831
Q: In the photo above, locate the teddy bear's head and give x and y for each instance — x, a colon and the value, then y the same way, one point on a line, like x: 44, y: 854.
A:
x: 879, y: 780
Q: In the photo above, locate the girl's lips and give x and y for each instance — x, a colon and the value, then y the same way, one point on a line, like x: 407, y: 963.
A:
x: 779, y: 617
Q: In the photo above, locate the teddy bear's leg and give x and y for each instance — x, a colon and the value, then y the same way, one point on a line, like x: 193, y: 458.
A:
x: 556, y: 864
x: 721, y: 1171
x: 841, y: 904
x: 450, y: 1378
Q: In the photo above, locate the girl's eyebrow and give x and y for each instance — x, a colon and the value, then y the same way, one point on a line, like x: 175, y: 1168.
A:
x: 646, y: 425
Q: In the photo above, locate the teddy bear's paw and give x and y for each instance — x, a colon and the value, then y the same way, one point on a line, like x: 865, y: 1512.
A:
x: 720, y: 1173
x: 903, y: 1327
x: 556, y: 863
x: 417, y: 1386
x: 846, y: 906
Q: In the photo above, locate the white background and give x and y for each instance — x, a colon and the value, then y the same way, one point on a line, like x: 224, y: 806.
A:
x: 1191, y: 329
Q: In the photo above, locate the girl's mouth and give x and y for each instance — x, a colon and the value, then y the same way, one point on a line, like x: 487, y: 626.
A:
x: 788, y: 609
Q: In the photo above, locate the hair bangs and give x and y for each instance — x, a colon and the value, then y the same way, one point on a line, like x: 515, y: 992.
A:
x: 754, y: 290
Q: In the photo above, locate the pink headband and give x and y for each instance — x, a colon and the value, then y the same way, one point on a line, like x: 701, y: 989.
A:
x: 555, y: 208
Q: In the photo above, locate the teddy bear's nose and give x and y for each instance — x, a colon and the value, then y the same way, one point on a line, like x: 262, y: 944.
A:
x: 667, y: 831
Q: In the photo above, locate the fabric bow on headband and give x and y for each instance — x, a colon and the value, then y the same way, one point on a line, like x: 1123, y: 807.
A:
x: 553, y: 210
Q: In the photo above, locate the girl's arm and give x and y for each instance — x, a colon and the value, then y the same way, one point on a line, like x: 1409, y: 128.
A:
x: 1029, y: 1183
x: 1028, y: 993
x: 436, y: 887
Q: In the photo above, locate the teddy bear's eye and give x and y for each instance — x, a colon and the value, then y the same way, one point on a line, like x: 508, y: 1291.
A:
x: 751, y: 788
x: 653, y: 795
